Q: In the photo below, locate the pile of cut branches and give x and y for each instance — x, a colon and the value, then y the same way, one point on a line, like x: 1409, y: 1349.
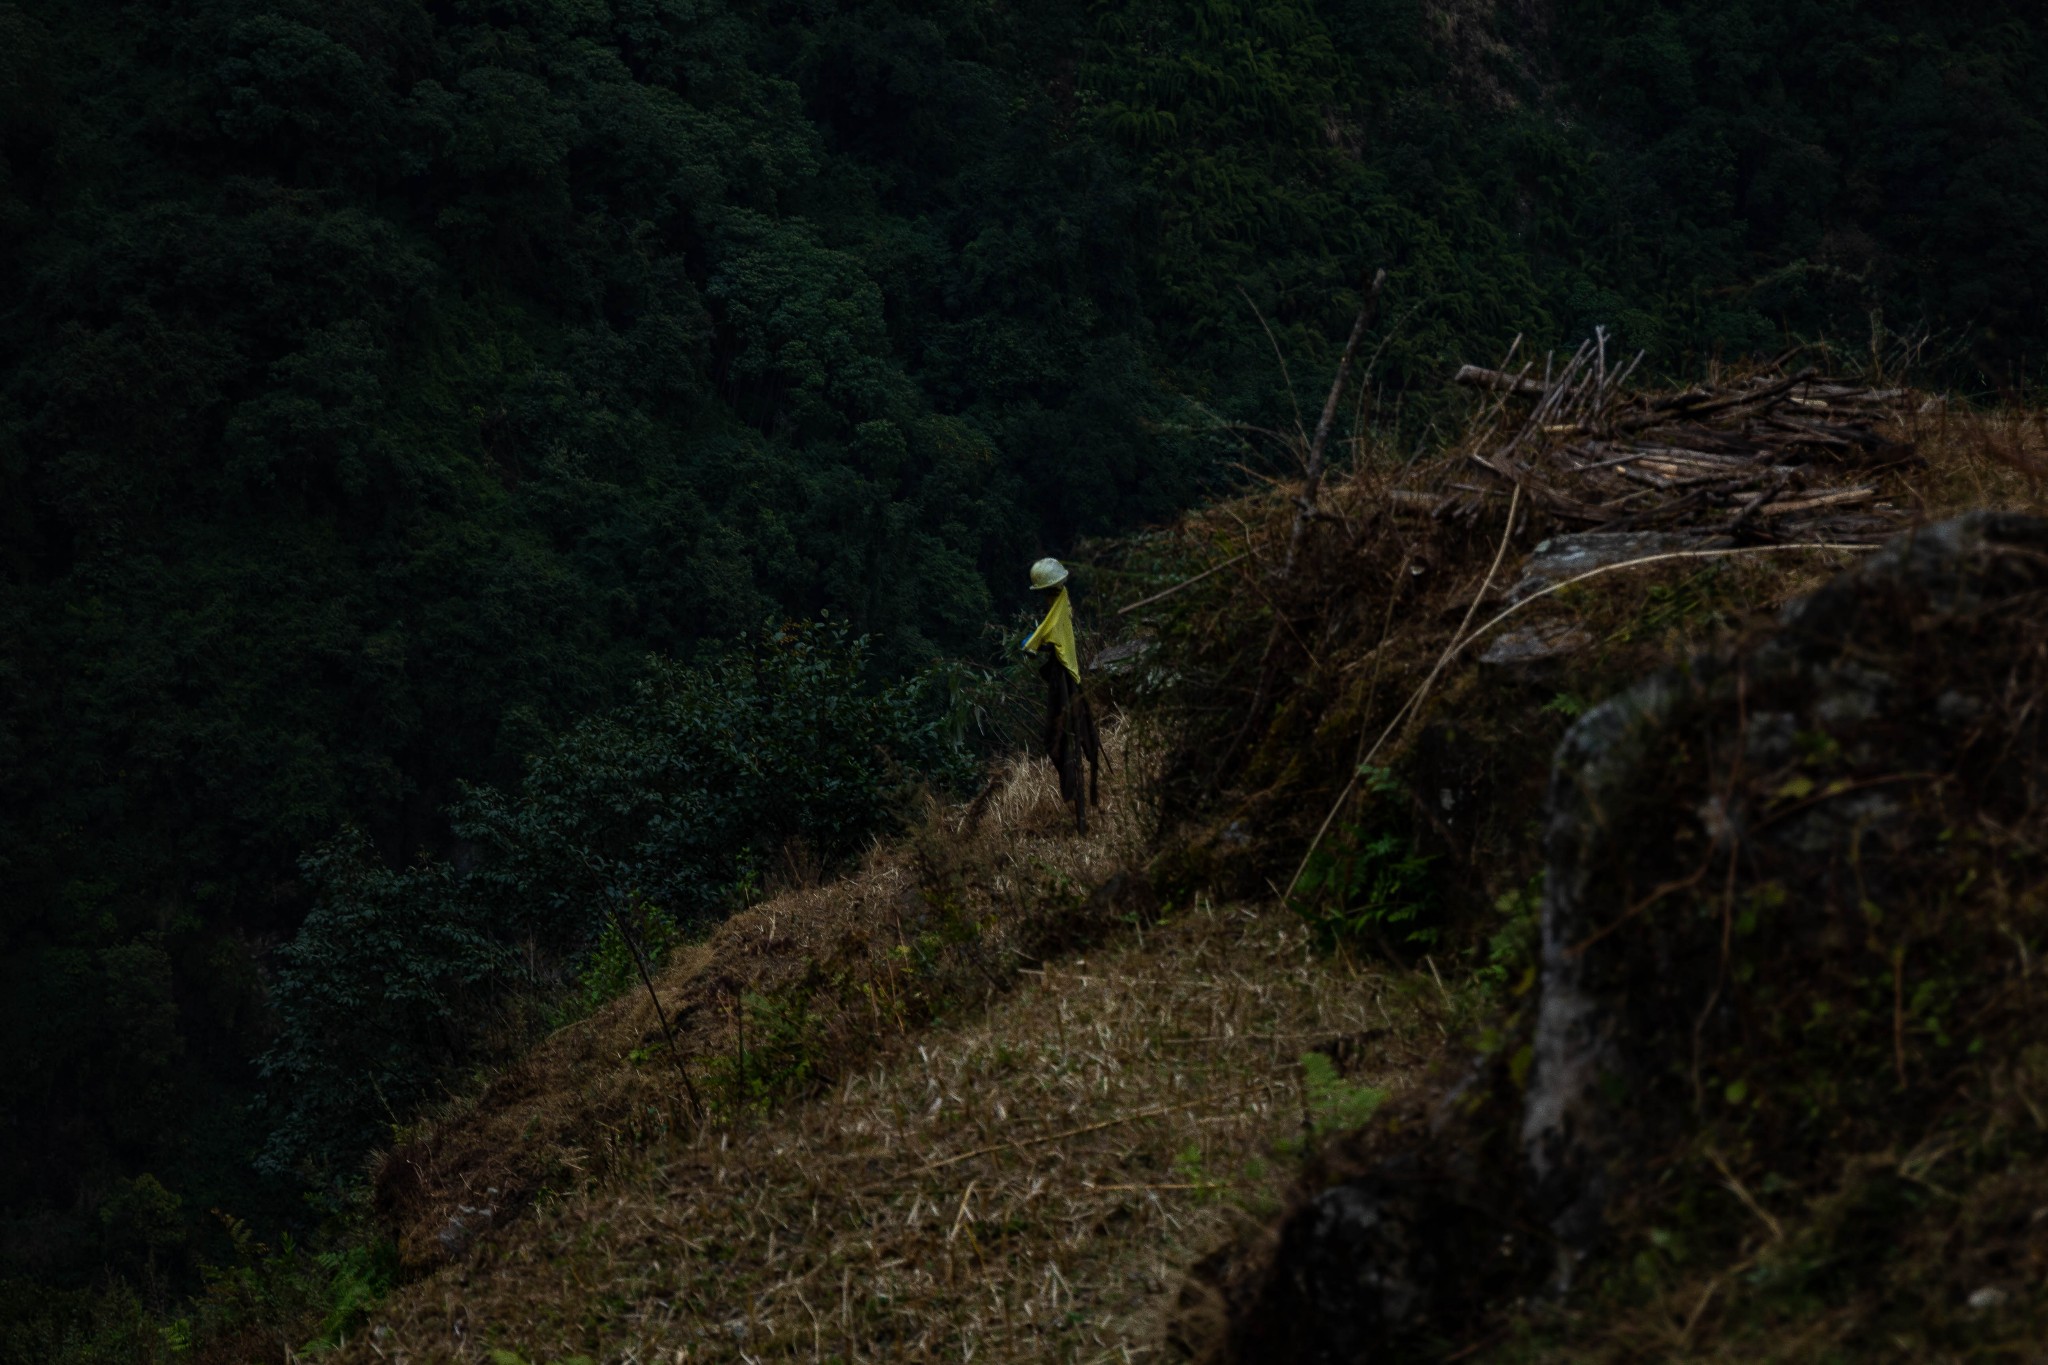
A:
x: 1775, y: 455
x: 1314, y: 633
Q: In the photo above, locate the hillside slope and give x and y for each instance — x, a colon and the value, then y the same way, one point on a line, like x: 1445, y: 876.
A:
x: 1069, y: 1096
x: 1032, y: 1182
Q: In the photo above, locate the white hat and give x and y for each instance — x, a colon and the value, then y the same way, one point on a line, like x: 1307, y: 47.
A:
x: 1048, y: 573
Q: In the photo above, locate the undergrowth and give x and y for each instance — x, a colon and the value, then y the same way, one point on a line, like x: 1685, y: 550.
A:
x: 263, y: 1303
x: 615, y: 963
x: 779, y: 1052
x: 1332, y: 1104
x: 1368, y: 881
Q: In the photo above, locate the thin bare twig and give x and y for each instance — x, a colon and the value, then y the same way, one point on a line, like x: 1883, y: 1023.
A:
x: 1514, y: 506
x: 632, y: 943
x: 1461, y: 642
x: 1315, y: 461
x: 1184, y: 583
x: 1304, y: 513
x: 1153, y: 1112
x: 1741, y: 1191
x: 1286, y: 378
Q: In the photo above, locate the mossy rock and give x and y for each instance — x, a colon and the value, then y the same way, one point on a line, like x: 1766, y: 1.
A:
x: 1787, y: 1057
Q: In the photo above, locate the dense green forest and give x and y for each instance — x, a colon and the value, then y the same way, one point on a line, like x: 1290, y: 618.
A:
x: 390, y: 389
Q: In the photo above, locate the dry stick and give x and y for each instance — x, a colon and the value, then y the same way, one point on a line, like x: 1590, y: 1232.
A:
x: 1500, y: 381
x: 1840, y: 497
x: 1184, y: 583
x: 1589, y: 398
x: 1306, y: 504
x: 1487, y: 416
x: 1056, y: 1137
x: 960, y: 1214
x: 1550, y: 405
x: 1742, y: 400
x: 1304, y: 512
x: 1278, y: 355
x: 1667, y: 889
x: 1692, y: 1318
x: 1507, y: 534
x: 1771, y: 492
x: 1372, y: 364
x: 1615, y: 388
x: 1899, y: 1012
x: 647, y: 979
x: 1379, y: 654
x: 1741, y: 1191
x: 1459, y: 645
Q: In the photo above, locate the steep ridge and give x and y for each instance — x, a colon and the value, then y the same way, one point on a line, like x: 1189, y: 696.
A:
x: 1771, y: 1091
x: 1007, y: 1094
x: 1029, y: 1183
x: 382, y: 382
x: 824, y: 976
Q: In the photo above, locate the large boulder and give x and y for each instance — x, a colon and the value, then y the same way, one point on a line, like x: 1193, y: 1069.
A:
x: 1794, y: 895
x: 1728, y: 839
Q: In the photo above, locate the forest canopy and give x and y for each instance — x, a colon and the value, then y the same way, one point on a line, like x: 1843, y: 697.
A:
x: 383, y: 382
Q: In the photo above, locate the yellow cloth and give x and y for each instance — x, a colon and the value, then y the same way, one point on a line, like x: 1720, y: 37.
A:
x: 1057, y: 630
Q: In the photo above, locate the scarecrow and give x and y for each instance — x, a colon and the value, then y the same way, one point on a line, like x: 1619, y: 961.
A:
x: 1070, y: 735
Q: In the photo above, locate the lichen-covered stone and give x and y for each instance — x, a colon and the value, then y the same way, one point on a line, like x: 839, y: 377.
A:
x: 1849, y: 674
x: 1790, y: 890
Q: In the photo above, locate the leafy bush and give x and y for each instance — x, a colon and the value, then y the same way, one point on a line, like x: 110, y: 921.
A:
x: 1513, y: 949
x: 659, y: 811
x: 1369, y: 883
x: 707, y: 771
x: 378, y: 995
x: 612, y: 966
x: 1333, y: 1104
x: 265, y: 1303
x: 777, y: 1041
x: 315, y: 1298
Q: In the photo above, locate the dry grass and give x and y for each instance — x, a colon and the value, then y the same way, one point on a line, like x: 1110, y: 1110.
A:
x: 925, y: 926
x: 1996, y: 459
x: 1033, y: 1185
x: 1746, y: 1304
x: 1027, y: 1181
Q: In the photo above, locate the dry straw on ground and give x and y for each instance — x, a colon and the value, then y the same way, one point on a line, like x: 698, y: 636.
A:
x: 926, y: 925
x: 1031, y: 1185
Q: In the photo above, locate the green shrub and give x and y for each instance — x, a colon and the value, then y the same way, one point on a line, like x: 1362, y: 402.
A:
x: 266, y: 1302
x: 1367, y: 880
x: 707, y: 772
x: 381, y: 993
x: 777, y: 1042
x: 1371, y: 886
x: 1512, y: 950
x: 612, y: 966
x: 660, y: 810
x: 1333, y: 1104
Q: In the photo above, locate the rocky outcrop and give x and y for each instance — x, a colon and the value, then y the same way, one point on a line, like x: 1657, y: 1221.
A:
x: 1778, y: 877
x: 1400, y: 1255
x: 1812, y: 757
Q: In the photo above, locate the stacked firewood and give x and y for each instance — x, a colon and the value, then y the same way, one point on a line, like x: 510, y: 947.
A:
x: 1770, y: 456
